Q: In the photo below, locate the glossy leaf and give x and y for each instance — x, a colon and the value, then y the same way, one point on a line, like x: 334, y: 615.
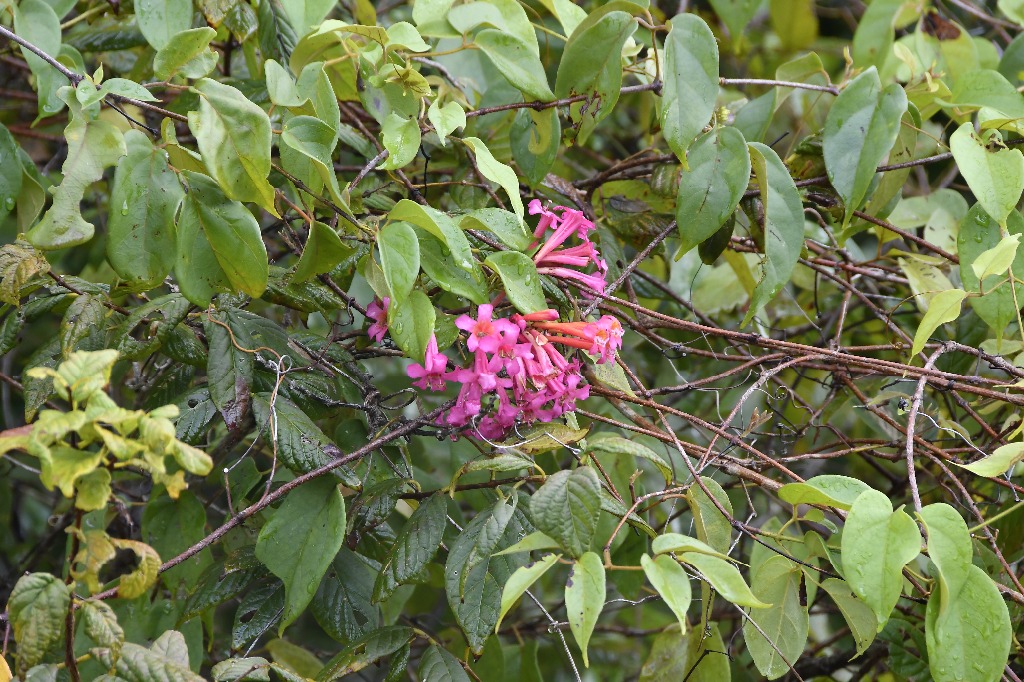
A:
x: 301, y: 539
x: 584, y: 599
x: 691, y: 88
x: 710, y: 191
x: 520, y: 280
x: 877, y: 543
x: 401, y: 138
x: 411, y: 323
x: 446, y: 119
x: 399, y: 258
x: 496, y: 171
x: 860, y: 130
x: 995, y: 176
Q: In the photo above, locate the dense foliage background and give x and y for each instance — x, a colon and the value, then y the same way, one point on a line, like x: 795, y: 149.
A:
x: 504, y: 340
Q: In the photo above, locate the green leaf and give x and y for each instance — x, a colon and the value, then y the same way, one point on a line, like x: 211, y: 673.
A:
x: 505, y: 225
x: 829, y: 490
x: 944, y: 307
x: 506, y: 15
x: 567, y: 508
x: 968, y: 633
x: 301, y: 539
x: 949, y: 546
x: 679, y: 543
x: 249, y: 669
x: 690, y: 86
x: 520, y: 582
x: 161, y: 21
x: 873, y: 39
x: 496, y: 171
x: 535, y: 138
x: 999, y: 462
x: 442, y: 226
x: 876, y: 544
x: 19, y: 263
x: 724, y: 577
x: 736, y: 14
x: 36, y: 22
x: 220, y: 247
x: 144, y: 199
x: 439, y: 265
x: 187, y: 53
x: 534, y: 541
x: 343, y: 605
x: 294, y: 658
x: 858, y: 615
x: 401, y: 138
x: 171, y: 527
x: 516, y: 62
x: 592, y: 65
x: 101, y: 624
x: 399, y: 258
x: 166, y: 659
x: 783, y: 225
x: 365, y: 651
x: 446, y: 119
x: 314, y: 141
x: 322, y: 252
x: 411, y: 322
x: 519, y: 277
x: 617, y: 445
x: 697, y: 654
x: 233, y: 135
x: 785, y: 623
x: 143, y: 577
x: 37, y: 607
x: 440, y: 666
x: 584, y: 598
x: 671, y: 582
x: 979, y: 233
x: 860, y: 130
x: 998, y: 259
x: 229, y: 368
x: 995, y: 175
x: 305, y: 14
x: 414, y: 547
x: 473, y: 578
x: 11, y: 173
x: 712, y: 527
x: 93, y: 145
x: 710, y: 190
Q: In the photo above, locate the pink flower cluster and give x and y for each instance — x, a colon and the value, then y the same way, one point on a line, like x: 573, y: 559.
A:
x: 518, y: 374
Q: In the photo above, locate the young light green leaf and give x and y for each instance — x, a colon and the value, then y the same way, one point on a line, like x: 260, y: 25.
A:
x: 858, y: 615
x: 679, y: 543
x: 146, y: 193
x: 785, y: 623
x: 567, y: 507
x: 496, y: 171
x: 399, y: 258
x: 234, y: 139
x: 860, y: 130
x: 220, y: 247
x: 671, y: 582
x: 998, y: 259
x: 725, y: 578
x: 584, y: 598
x: 446, y: 119
x: 411, y: 323
x: 711, y: 189
x: 519, y: 277
x: 783, y: 225
x: 968, y: 634
x: 161, y: 20
x: 994, y: 174
x: 690, y: 84
x: 829, y: 490
x: 187, y: 53
x: 944, y: 307
x: 517, y: 62
x: 520, y: 582
x: 534, y: 541
x: 877, y: 543
x: 401, y: 137
x: 978, y: 233
x: 300, y: 541
x: 93, y: 145
x: 999, y: 462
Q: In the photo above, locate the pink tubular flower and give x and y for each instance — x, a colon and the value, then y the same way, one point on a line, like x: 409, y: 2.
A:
x: 554, y: 259
x: 431, y: 373
x: 484, y: 333
x: 606, y: 334
x: 378, y: 312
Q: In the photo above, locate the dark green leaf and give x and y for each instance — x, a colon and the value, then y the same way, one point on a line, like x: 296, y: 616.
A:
x: 567, y: 508
x: 415, y: 546
x: 519, y: 277
x: 690, y: 86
